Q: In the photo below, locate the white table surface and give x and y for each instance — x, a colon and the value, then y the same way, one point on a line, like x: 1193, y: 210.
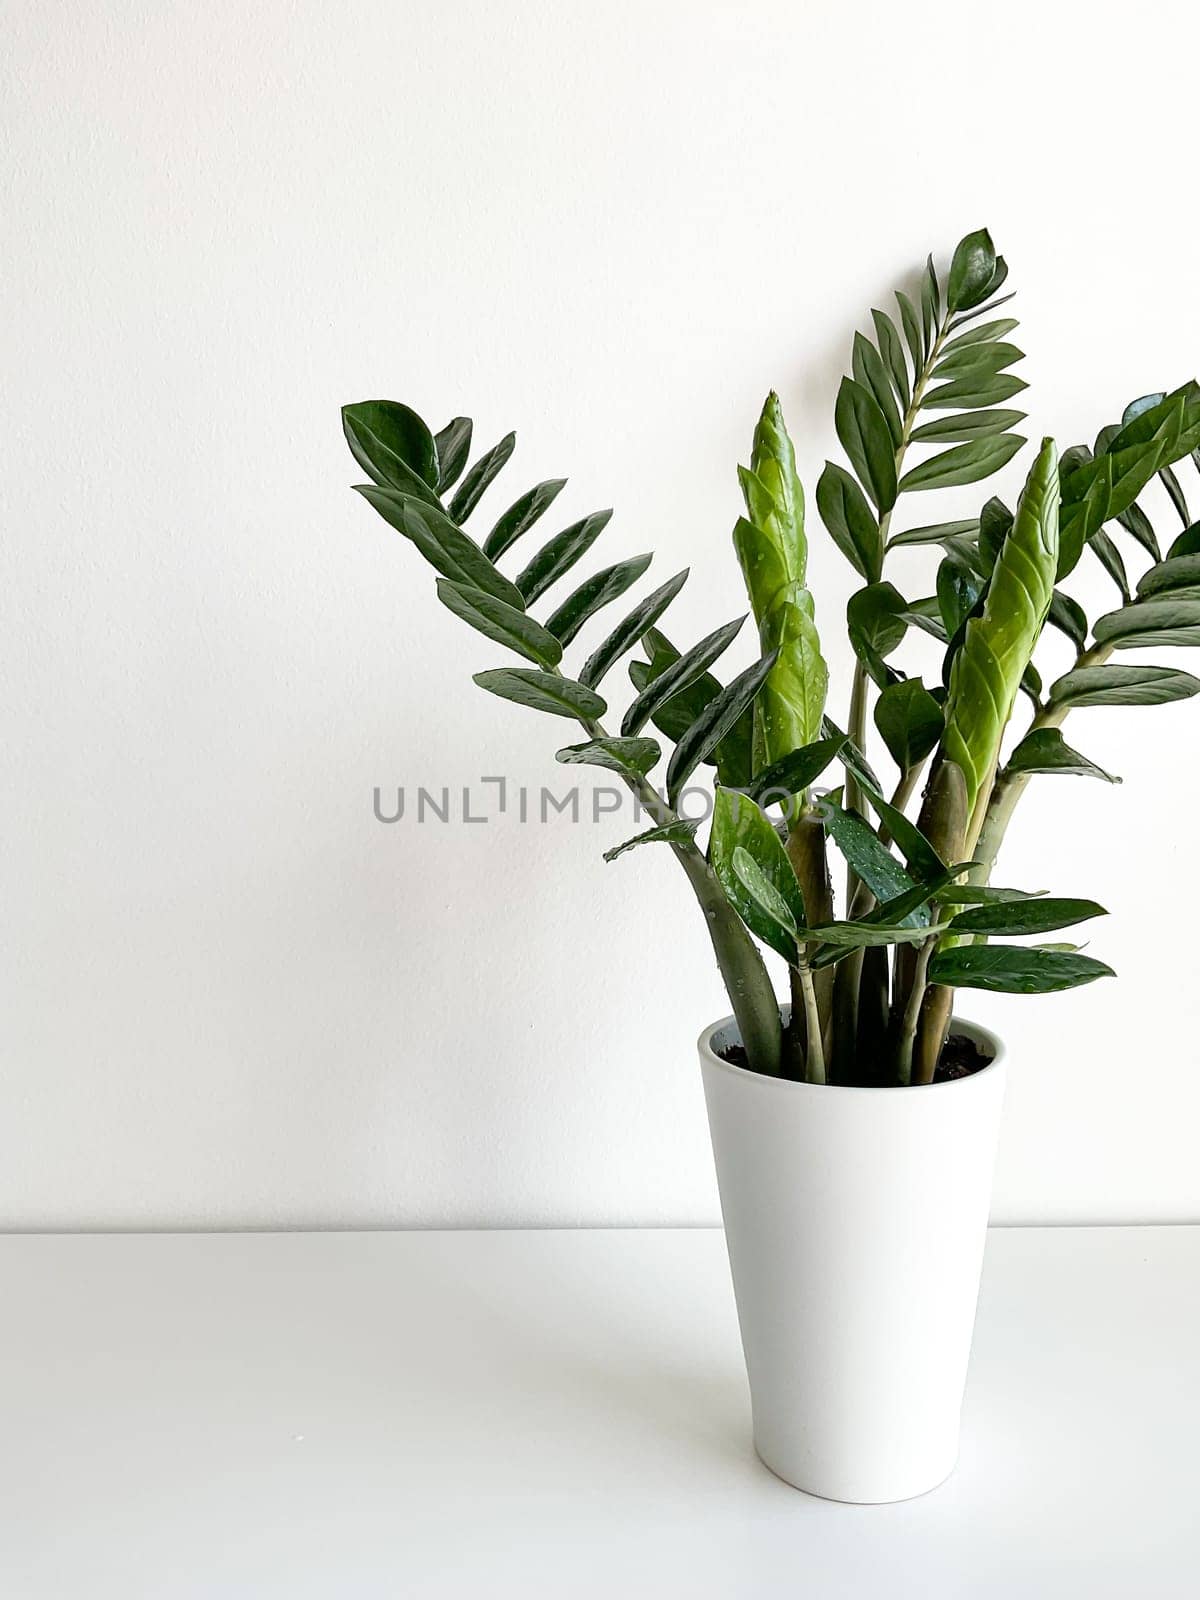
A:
x: 560, y: 1414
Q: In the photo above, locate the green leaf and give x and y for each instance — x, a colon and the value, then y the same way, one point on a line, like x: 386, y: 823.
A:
x: 860, y: 935
x: 980, y: 361
x: 522, y: 514
x: 794, y: 773
x: 626, y: 634
x: 868, y: 443
x: 501, y: 622
x: 446, y: 547
x: 1177, y: 572
x: 471, y: 490
x: 984, y: 310
x: 931, y: 305
x: 1045, y: 750
x: 893, y: 354
x: 393, y: 446
x: 792, y: 698
x: 681, y: 831
x: 1111, y: 560
x: 986, y: 672
x: 1013, y: 969
x: 848, y: 517
x: 970, y: 894
x: 971, y: 271
x: 851, y: 757
x: 595, y: 592
x: 543, y: 691
x: 690, y: 665
x: 1136, y: 522
x: 936, y: 533
x: 1166, y: 621
x: 964, y: 463
x: 968, y: 393
x: 1069, y: 617
x: 713, y: 723
x: 982, y: 333
x: 873, y: 862
x: 733, y: 756
x: 1187, y: 544
x: 909, y: 721
x: 739, y: 826
x: 874, y: 621
x: 453, y: 443
x: 1026, y: 916
x: 632, y: 758
x: 910, y: 321
x: 959, y: 588
x: 926, y: 614
x: 559, y: 555
x: 970, y: 425
x: 869, y: 371
x: 1123, y: 686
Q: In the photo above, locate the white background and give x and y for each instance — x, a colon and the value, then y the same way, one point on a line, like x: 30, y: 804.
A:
x: 233, y: 998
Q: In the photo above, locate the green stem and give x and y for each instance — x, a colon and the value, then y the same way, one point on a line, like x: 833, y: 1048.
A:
x: 814, y: 1064
x: 912, y: 1012
x: 1010, y: 786
x: 751, y: 992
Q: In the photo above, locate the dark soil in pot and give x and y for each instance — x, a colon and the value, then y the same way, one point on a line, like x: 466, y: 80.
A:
x: 960, y: 1057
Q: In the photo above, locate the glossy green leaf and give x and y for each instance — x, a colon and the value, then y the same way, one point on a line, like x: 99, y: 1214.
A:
x: 909, y: 721
x: 501, y: 622
x: 543, y: 691
x: 792, y: 697
x: 967, y: 394
x: 969, y: 425
x: 892, y: 351
x: 1177, y: 572
x: 1111, y: 559
x: 980, y: 334
x: 393, y: 446
x: 971, y: 271
x: 852, y: 525
x: 1187, y: 544
x: 959, y: 588
x: 870, y: 372
x: 471, y: 490
x: 971, y: 894
x: 963, y: 463
x: 446, y: 547
x: 627, y: 633
x: 691, y: 665
x: 453, y: 444
x: 632, y: 758
x: 851, y: 757
x: 1168, y: 620
x: 874, y: 622
x: 733, y: 756
x: 1138, y: 524
x: 910, y: 321
x: 873, y: 862
x: 739, y: 826
x: 522, y: 515
x: 795, y: 772
x: 1123, y: 686
x: 713, y: 723
x: 1017, y: 917
x: 681, y: 831
x: 594, y: 593
x: 1069, y: 617
x: 558, y: 555
x: 931, y: 305
x: 936, y: 533
x: 978, y: 361
x: 867, y: 442
x: 1013, y: 969
x: 861, y: 935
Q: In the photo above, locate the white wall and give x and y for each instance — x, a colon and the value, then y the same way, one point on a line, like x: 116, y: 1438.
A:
x: 231, y: 997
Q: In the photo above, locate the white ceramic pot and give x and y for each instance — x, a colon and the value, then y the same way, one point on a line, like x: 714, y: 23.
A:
x: 855, y: 1220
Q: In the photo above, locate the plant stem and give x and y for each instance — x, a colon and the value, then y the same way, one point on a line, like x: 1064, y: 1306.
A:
x: 814, y: 1063
x: 1010, y: 786
x: 751, y: 992
x: 912, y: 1012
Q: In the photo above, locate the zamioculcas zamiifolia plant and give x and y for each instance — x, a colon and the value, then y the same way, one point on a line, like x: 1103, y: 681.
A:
x: 926, y: 407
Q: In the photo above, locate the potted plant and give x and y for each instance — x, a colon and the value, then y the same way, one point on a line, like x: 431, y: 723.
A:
x: 853, y: 1128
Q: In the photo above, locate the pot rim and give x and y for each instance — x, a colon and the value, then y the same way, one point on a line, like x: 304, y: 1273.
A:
x: 974, y: 1031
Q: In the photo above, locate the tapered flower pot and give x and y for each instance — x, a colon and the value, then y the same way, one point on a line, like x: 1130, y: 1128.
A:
x: 855, y: 1220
